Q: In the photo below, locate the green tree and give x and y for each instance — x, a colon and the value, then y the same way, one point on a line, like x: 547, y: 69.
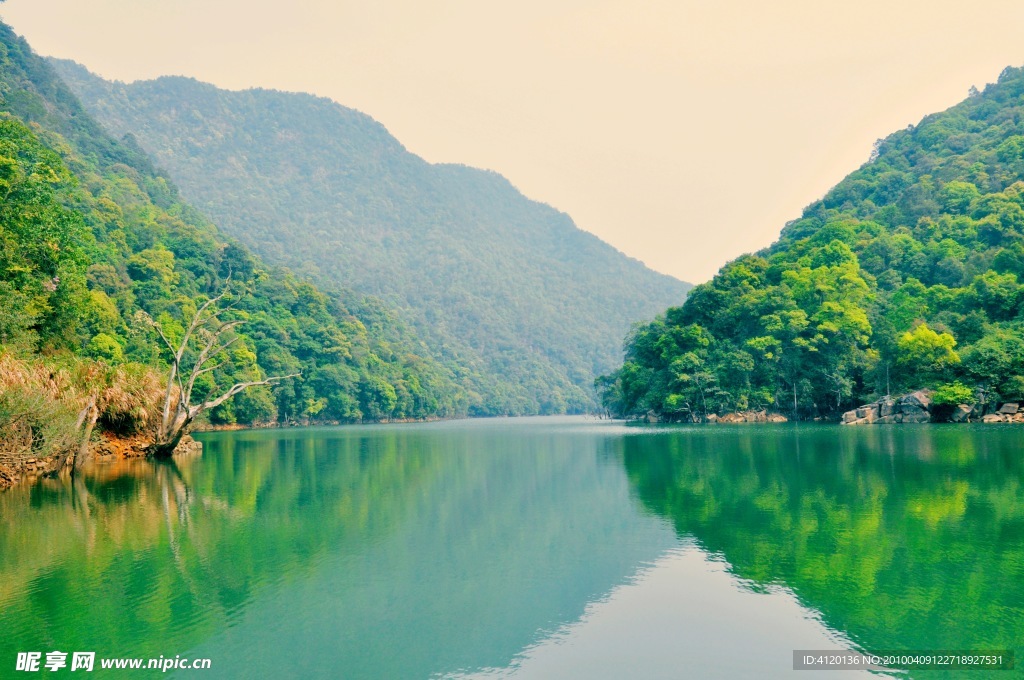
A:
x: 926, y: 354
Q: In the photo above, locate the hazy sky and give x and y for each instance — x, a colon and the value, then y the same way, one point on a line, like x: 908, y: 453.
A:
x: 684, y: 133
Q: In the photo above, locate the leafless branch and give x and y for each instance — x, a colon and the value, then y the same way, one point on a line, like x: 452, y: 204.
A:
x: 235, y: 389
x: 207, y: 326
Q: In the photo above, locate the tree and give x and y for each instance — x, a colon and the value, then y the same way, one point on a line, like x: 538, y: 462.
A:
x: 787, y: 327
x: 209, y: 331
x: 924, y: 354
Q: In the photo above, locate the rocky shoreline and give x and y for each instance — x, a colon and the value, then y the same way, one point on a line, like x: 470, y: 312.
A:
x: 919, y: 407
x: 747, y: 417
x: 761, y: 416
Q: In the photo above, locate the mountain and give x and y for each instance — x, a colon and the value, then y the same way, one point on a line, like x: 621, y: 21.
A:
x: 503, y: 286
x: 907, y: 274
x: 92, y: 235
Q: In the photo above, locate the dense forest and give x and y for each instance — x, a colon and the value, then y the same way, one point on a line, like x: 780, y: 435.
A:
x: 908, y: 274
x: 92, y: 237
x: 524, y: 308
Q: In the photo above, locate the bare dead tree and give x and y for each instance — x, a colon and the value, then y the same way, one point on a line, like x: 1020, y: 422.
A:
x: 178, y: 413
x: 87, y: 418
x: 93, y: 414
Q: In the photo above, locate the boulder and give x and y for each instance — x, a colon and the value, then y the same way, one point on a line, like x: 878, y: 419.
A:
x: 849, y: 417
x: 750, y: 417
x: 712, y: 418
x: 921, y: 399
x: 886, y: 407
x: 652, y: 417
x: 887, y: 420
x: 962, y: 414
x: 916, y: 416
x: 994, y: 418
x: 1008, y: 409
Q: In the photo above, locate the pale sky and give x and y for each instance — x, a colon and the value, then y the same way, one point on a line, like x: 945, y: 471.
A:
x: 684, y: 133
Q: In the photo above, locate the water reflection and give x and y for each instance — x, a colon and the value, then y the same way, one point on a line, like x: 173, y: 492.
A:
x: 903, y: 538
x: 309, y: 553
x: 532, y: 548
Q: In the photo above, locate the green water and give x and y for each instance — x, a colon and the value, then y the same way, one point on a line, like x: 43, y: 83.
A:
x: 527, y: 548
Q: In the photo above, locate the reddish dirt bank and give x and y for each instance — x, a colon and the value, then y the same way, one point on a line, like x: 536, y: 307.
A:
x: 105, y: 448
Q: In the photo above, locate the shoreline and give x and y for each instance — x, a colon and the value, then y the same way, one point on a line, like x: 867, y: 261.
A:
x: 236, y: 427
x: 108, y: 447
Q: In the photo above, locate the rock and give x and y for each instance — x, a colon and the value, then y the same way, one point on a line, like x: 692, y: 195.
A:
x: 189, y: 446
x: 652, y: 417
x: 751, y: 417
x: 916, y: 416
x: 712, y: 418
x: 921, y: 399
x: 886, y: 420
x: 1008, y: 409
x: 862, y: 415
x: 994, y: 418
x: 886, y: 407
x: 962, y: 414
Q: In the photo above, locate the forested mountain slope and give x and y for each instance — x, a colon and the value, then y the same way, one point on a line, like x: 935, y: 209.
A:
x: 505, y: 287
x: 907, y: 274
x: 91, y: 235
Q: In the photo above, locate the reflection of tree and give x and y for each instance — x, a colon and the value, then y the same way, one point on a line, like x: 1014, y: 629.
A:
x: 902, y: 538
x: 143, y: 546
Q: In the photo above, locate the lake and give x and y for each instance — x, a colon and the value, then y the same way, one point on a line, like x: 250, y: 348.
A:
x: 526, y: 548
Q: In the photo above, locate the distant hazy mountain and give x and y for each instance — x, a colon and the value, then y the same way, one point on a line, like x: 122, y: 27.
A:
x: 91, y: 235
x: 526, y: 306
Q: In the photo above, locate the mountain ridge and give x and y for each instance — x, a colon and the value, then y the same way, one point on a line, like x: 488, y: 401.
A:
x: 488, y: 276
x: 122, y: 242
x: 907, y: 274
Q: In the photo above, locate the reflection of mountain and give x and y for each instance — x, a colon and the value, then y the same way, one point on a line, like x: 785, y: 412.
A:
x: 904, y: 539
x: 503, y: 545
x: 386, y: 552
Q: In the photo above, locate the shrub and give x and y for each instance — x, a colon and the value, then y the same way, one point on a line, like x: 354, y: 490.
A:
x: 34, y: 425
x: 952, y: 394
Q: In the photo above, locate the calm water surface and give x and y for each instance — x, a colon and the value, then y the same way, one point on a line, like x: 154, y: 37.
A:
x: 526, y: 548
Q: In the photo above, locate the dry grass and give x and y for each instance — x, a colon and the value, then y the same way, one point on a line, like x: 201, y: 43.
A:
x: 37, y: 410
x: 130, y: 399
x: 40, y: 400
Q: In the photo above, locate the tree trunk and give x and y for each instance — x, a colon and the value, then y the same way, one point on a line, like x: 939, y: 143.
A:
x: 89, y: 415
x: 207, y: 327
x: 165, y: 449
x: 83, y: 449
